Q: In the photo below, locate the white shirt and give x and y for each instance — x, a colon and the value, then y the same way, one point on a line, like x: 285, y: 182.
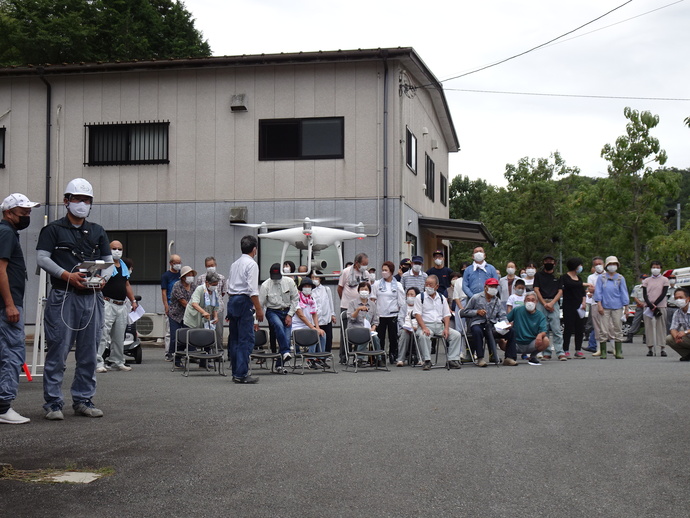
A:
x: 349, y: 280
x: 593, y: 278
x: 389, y: 296
x: 243, y: 278
x: 434, y: 309
x: 324, y: 303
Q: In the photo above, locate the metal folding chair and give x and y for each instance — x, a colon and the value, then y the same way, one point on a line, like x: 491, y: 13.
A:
x: 356, y: 337
x: 262, y: 355
x: 201, y: 344
x: 302, y: 340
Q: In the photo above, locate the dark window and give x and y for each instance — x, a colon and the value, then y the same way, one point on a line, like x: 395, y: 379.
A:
x: 2, y: 147
x: 270, y: 251
x: 411, y: 154
x: 147, y: 249
x: 301, y: 139
x: 127, y: 144
x: 430, y: 178
x: 444, y: 190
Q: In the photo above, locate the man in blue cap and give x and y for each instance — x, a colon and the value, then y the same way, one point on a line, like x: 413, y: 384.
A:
x: 415, y: 277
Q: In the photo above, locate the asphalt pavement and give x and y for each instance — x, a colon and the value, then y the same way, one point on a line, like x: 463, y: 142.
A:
x: 569, y: 439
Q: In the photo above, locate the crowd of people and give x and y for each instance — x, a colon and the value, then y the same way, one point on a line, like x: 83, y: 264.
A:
x: 408, y: 310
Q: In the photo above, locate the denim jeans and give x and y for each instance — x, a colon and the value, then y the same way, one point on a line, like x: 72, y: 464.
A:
x: 276, y: 319
x: 69, y: 318
x: 553, y: 320
x: 12, y: 356
x: 174, y: 346
x: 241, y: 338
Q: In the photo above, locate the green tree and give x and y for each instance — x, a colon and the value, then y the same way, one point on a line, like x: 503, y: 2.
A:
x: 466, y: 199
x: 634, y: 194
x: 57, y: 31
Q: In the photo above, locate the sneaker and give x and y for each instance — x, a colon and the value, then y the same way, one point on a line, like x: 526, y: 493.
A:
x: 546, y: 357
x: 509, y: 362
x: 454, y: 364
x: 312, y: 365
x: 87, y: 410
x: 427, y: 365
x: 12, y: 417
x: 567, y: 355
x: 590, y: 349
x: 562, y: 357
x: 481, y: 362
x: 168, y: 358
x: 400, y: 364
x: 685, y: 358
x: 579, y: 355
x: 650, y: 353
x: 247, y: 380
x: 525, y: 356
x: 287, y: 357
x: 533, y: 361
x: 122, y: 367
x: 54, y: 414
x: 663, y: 353
x: 101, y: 369
x: 465, y: 359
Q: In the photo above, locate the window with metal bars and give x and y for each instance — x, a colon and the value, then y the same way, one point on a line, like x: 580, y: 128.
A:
x: 430, y: 179
x: 444, y: 190
x: 126, y: 143
x: 2, y: 147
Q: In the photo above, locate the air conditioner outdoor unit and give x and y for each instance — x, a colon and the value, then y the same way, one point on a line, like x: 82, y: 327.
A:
x: 151, y: 325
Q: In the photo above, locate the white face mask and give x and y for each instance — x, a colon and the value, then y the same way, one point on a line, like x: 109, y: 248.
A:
x: 417, y: 268
x: 306, y: 291
x: 530, y: 306
x: 210, y: 269
x: 680, y: 303
x: 479, y: 257
x: 612, y: 268
x: 492, y: 291
x: 510, y: 271
x: 386, y: 275
x: 438, y: 262
x: 212, y: 288
x: 364, y: 294
x: 117, y: 254
x: 316, y: 282
x: 410, y: 301
x: 578, y: 270
x: 519, y: 292
x: 599, y: 268
x: 671, y: 281
x: 429, y: 290
x: 530, y: 272
x: 656, y: 271
x: 363, y: 269
x: 177, y: 267
x: 286, y: 269
x: 189, y: 280
x: 452, y: 282
x: 79, y: 209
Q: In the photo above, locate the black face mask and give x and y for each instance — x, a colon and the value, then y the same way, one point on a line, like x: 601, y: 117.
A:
x: 548, y: 267
x: 23, y: 222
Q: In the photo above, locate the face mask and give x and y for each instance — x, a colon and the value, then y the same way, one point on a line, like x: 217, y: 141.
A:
x: 671, y: 281
x: 438, y: 262
x: 548, y: 267
x: 286, y: 269
x: 530, y: 306
x: 417, y: 268
x: 364, y: 294
x: 612, y: 268
x: 79, y: 209
x: 656, y: 271
x: 177, y: 267
x: 188, y: 280
x: 117, y: 254
x: 578, y: 270
x: 492, y: 291
x: 212, y: 288
x: 405, y: 269
x: 386, y: 275
x: 520, y: 292
x: 479, y: 257
x: 211, y: 269
x: 23, y: 222
x: 429, y: 290
x: 316, y: 282
x: 306, y: 291
x: 276, y: 281
x: 523, y: 275
x: 452, y: 282
x: 530, y: 272
x: 510, y: 271
x: 363, y: 269
x: 599, y: 268
x: 410, y: 301
x: 680, y: 303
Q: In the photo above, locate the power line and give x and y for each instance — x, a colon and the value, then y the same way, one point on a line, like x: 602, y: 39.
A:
x: 533, y: 48
x: 568, y: 95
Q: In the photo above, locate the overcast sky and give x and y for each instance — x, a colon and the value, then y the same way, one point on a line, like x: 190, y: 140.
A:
x: 647, y: 56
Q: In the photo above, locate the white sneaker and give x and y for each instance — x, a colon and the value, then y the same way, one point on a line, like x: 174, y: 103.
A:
x: 101, y: 369
x: 12, y: 417
x: 122, y: 367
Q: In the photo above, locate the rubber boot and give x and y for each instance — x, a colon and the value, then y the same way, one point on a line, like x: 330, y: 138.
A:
x: 599, y: 349
x: 602, y: 350
x: 619, y: 350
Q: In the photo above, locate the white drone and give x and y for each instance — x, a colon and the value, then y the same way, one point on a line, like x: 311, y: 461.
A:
x: 310, y: 238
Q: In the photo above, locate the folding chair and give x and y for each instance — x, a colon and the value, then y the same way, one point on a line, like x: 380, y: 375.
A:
x: 261, y: 339
x: 302, y: 340
x: 409, y: 355
x: 201, y: 344
x: 436, y: 341
x: 360, y: 336
x: 180, y: 338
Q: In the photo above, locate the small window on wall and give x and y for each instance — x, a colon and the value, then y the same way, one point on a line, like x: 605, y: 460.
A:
x: 444, y: 190
x: 2, y: 147
x: 127, y: 144
x: 411, y: 153
x: 148, y: 251
x: 270, y: 250
x: 302, y: 139
x: 430, y: 179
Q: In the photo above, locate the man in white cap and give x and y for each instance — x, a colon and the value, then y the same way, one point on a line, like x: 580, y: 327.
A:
x: 16, y: 210
x: 74, y: 309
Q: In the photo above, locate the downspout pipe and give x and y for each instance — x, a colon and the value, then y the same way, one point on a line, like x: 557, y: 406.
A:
x: 49, y: 109
x: 385, y: 158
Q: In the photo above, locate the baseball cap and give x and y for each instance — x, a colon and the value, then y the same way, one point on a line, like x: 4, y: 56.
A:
x: 405, y: 261
x: 438, y: 252
x: 417, y: 259
x: 18, y: 200
x: 276, y: 271
x: 491, y: 282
